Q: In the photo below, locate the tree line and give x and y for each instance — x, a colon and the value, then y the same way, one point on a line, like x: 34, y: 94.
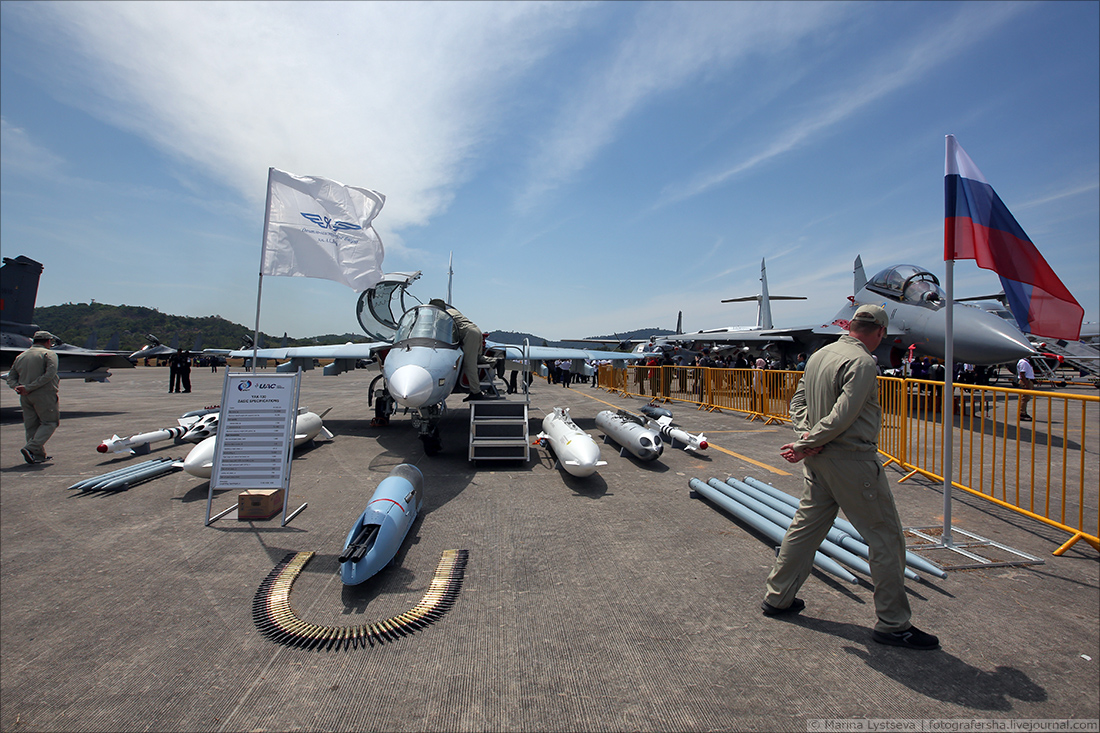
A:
x: 74, y: 323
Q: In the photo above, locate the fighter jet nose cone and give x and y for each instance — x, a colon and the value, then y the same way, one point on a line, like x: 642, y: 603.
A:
x: 984, y: 338
x: 411, y: 385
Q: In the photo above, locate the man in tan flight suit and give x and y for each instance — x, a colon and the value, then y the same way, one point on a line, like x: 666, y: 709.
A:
x: 33, y: 376
x: 469, y: 335
x: 836, y: 413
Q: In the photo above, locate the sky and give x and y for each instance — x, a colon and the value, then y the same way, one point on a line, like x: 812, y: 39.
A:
x: 593, y: 167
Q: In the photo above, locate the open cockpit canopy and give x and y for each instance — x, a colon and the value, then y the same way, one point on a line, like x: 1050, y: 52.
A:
x: 375, y: 309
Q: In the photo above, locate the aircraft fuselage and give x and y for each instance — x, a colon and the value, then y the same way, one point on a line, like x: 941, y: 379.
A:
x: 917, y: 308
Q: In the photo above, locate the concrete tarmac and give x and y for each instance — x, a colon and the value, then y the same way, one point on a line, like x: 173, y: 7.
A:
x: 617, y: 602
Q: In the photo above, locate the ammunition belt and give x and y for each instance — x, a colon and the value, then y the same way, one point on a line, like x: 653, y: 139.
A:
x: 277, y: 621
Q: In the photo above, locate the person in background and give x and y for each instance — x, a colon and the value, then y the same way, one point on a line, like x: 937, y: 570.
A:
x: 1026, y: 376
x: 184, y: 371
x: 173, y: 373
x: 33, y: 376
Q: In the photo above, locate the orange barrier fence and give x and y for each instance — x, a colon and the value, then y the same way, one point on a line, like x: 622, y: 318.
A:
x: 1045, y: 468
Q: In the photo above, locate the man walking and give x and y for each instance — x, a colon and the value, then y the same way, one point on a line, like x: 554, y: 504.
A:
x: 1026, y: 377
x: 33, y: 376
x: 836, y: 413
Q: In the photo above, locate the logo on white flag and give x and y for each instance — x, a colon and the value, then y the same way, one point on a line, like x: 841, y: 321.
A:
x: 326, y: 223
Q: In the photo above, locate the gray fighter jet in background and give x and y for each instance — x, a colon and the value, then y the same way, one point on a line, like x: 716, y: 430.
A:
x: 18, y: 292
x: 916, y: 305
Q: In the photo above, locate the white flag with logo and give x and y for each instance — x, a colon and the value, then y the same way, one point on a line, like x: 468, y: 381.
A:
x: 321, y: 228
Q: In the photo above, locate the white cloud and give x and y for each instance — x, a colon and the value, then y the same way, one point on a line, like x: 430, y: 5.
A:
x: 393, y: 96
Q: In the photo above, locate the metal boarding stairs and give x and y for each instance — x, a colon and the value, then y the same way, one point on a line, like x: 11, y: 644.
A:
x: 1077, y: 354
x: 498, y: 427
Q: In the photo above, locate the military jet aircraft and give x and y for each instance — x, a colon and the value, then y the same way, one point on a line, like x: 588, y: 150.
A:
x: 421, y: 360
x: 916, y: 305
x: 155, y: 349
x: 18, y: 291
x: 763, y: 335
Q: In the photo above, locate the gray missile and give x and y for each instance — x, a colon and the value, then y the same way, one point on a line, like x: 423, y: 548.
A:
x: 831, y: 549
x: 641, y: 441
x: 769, y: 529
x: 911, y: 559
x: 836, y: 536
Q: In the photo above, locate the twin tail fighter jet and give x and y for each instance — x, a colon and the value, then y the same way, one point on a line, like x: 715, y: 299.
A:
x: 917, y: 307
x: 18, y: 292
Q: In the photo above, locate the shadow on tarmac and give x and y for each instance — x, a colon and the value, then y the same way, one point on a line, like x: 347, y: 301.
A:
x: 935, y: 674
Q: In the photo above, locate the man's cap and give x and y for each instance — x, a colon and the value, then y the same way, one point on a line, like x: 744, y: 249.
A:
x: 43, y: 336
x: 872, y: 313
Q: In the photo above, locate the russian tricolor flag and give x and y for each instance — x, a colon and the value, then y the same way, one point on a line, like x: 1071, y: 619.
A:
x: 978, y: 226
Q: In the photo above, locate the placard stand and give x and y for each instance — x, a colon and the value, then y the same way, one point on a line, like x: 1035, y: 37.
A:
x: 255, y: 436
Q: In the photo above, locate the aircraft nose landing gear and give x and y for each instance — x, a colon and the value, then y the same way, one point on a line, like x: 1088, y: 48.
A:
x: 432, y: 442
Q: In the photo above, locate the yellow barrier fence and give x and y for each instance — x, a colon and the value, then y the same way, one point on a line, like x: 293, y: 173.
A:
x: 1044, y: 468
x: 1037, y: 467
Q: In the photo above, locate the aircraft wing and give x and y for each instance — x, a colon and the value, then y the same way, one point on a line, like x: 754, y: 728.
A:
x: 334, y: 351
x: 539, y: 353
x: 73, y: 362
x: 721, y: 335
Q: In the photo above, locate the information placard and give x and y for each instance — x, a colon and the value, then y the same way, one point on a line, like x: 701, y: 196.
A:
x: 255, y: 431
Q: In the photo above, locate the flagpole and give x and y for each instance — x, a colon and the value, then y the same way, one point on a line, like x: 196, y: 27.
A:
x: 948, y: 402
x: 260, y: 284
x: 949, y: 371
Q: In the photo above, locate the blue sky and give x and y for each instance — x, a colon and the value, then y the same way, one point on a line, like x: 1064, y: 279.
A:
x: 594, y: 167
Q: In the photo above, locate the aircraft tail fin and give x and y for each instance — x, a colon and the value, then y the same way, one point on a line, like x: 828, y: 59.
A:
x: 859, y: 277
x: 90, y: 344
x: 764, y: 299
x: 764, y: 315
x: 18, y: 292
x: 679, y: 321
x: 450, y: 276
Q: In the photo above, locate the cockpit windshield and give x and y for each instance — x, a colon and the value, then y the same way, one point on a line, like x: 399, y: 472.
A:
x: 426, y: 323
x: 909, y: 283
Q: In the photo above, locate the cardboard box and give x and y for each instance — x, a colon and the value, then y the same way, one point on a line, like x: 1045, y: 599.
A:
x: 259, y: 504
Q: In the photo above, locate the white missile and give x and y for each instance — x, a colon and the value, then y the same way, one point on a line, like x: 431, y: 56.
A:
x: 139, y: 444
x: 577, y: 452
x: 674, y: 435
x: 200, y: 461
x: 202, y: 428
x: 643, y: 442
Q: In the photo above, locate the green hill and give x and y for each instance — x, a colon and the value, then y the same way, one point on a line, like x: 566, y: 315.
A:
x: 74, y: 323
